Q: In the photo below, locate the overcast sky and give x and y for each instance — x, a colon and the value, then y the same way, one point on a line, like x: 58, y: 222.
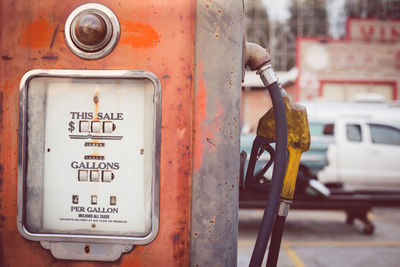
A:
x: 279, y: 11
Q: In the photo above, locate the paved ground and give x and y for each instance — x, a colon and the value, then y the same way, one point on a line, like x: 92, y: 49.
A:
x: 321, y: 238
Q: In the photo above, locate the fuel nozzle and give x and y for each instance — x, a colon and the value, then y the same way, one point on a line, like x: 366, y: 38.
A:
x: 286, y: 124
x: 298, y: 139
x: 298, y: 133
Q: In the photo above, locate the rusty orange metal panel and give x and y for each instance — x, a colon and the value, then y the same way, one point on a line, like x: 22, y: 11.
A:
x: 156, y: 36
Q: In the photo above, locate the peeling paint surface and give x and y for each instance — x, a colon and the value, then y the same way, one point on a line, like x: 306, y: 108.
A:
x: 139, y: 35
x: 149, y: 41
x: 37, y: 34
x: 216, y: 133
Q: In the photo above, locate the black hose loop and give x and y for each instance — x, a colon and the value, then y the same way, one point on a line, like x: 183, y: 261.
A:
x: 277, y: 176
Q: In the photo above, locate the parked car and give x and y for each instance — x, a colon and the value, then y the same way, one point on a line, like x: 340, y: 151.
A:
x: 362, y: 140
x: 362, y: 152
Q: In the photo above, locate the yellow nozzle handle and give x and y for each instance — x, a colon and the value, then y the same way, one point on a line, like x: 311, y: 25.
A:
x: 289, y: 181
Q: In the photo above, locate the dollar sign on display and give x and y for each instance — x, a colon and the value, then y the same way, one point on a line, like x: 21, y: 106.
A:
x: 71, y: 126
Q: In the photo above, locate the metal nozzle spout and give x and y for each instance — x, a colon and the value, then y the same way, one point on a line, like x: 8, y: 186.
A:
x: 256, y: 56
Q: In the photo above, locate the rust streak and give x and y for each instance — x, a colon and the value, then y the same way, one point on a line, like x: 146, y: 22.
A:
x: 54, y: 36
x: 212, y: 220
x: 50, y: 57
x: 1, y: 109
x: 210, y: 141
x: 96, y: 106
x: 1, y: 181
x: 200, y: 115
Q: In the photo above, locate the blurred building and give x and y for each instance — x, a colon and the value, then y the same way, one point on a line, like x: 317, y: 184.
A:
x: 366, y: 64
x: 361, y: 63
x: 307, y: 18
x: 255, y: 97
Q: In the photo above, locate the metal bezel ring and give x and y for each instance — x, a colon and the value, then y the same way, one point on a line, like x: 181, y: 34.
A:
x: 109, y: 42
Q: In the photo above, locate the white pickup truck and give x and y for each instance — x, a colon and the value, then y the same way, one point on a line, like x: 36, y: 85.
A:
x: 363, y: 150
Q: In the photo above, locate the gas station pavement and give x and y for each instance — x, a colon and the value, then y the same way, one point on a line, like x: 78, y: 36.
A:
x: 322, y: 238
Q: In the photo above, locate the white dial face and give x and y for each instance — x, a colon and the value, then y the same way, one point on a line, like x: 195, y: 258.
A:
x: 98, y: 157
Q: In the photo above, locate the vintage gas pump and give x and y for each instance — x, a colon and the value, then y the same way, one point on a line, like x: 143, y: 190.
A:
x: 119, y: 129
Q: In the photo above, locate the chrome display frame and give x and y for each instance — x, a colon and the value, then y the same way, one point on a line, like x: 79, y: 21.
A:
x: 22, y: 156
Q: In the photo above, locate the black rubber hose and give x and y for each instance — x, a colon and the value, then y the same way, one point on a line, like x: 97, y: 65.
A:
x: 276, y: 238
x: 277, y: 176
